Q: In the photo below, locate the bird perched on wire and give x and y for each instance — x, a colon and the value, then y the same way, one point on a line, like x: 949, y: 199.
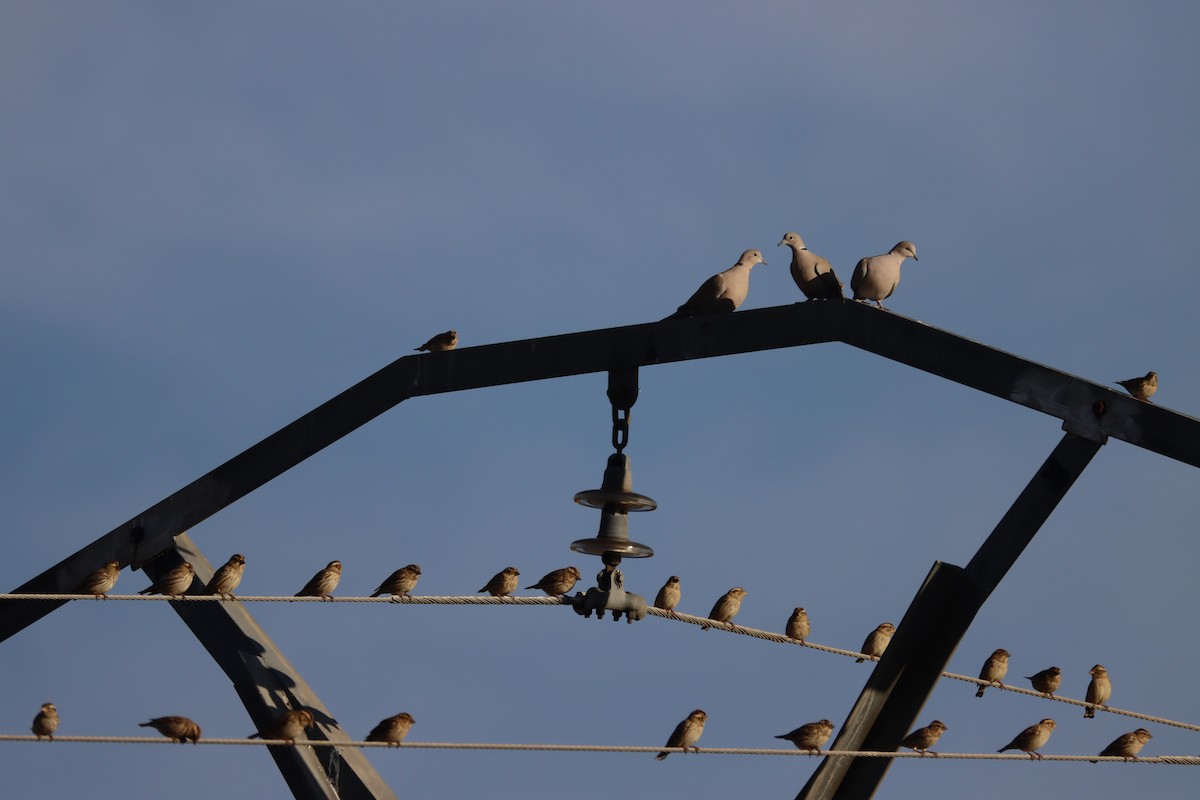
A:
x: 668, y: 596
x: 811, y: 737
x: 287, y: 726
x: 994, y: 670
x: 797, y: 625
x: 46, y: 722
x: 877, y: 641
x: 400, y: 583
x: 392, y: 730
x: 1098, y: 691
x: 1127, y: 745
x: 1047, y: 681
x: 179, y: 729
x: 725, y: 609
x: 502, y: 584
x: 100, y: 582
x: 558, y: 582
x: 924, y: 738
x: 228, y: 576
x: 174, y: 582
x: 1141, y: 388
x: 441, y: 343
x: 323, y: 583
x: 686, y: 733
x: 1032, y: 739
x: 723, y: 292
x: 876, y: 277
x: 813, y: 274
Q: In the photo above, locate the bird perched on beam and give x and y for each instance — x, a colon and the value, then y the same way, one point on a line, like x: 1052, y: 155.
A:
x: 876, y: 277
x: 1141, y: 388
x: 441, y: 343
x: 723, y: 292
x: 813, y: 274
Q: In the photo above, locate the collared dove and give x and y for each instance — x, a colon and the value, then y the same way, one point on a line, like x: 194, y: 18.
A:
x: 723, y: 292
x: 1141, y: 388
x: 876, y: 277
x: 812, y: 273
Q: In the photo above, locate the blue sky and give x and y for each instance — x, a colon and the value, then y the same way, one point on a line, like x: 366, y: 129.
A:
x: 215, y: 217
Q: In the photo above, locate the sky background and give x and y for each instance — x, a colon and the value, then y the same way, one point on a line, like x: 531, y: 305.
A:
x: 214, y: 217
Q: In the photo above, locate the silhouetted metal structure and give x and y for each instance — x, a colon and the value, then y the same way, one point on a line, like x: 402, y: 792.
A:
x: 921, y: 647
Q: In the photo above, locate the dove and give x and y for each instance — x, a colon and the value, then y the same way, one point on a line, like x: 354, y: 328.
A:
x: 723, y: 292
x: 1098, y: 691
x: 400, y: 583
x: 1032, y: 738
x: 287, y: 726
x: 727, y: 607
x: 1047, y: 681
x: 1127, y: 745
x: 179, y: 729
x: 101, y: 581
x: 668, y: 595
x: 877, y: 641
x: 323, y: 583
x: 392, y: 730
x: 1141, y: 388
x: 797, y: 625
x: 502, y: 583
x: 46, y: 721
x: 812, y: 273
x: 558, y: 582
x: 227, y: 578
x: 994, y: 670
x: 876, y: 277
x: 810, y: 737
x: 924, y: 738
x: 175, y: 582
x: 441, y: 343
x: 686, y: 733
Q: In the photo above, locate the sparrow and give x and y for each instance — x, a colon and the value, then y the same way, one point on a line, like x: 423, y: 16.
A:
x: 797, y: 625
x: 812, y: 273
x: 668, y: 595
x: 46, y: 721
x: 503, y: 583
x: 727, y: 607
x: 686, y: 733
x: 1098, y: 691
x: 1032, y: 738
x: 392, y: 730
x: 287, y: 726
x: 1047, y: 681
x: 1128, y: 745
x: 179, y: 729
x: 877, y: 642
x: 810, y: 737
x: 994, y: 670
x: 1141, y: 388
x: 441, y: 343
x: 924, y: 738
x: 557, y: 583
x: 400, y: 583
x: 227, y: 578
x: 175, y: 582
x: 101, y: 581
x: 323, y: 583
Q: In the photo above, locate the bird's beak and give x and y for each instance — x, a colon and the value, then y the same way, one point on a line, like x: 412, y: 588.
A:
x: 915, y: 257
x: 781, y: 241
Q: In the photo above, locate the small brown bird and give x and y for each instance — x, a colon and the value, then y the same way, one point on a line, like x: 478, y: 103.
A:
x: 179, y: 729
x: 1032, y: 739
x: 1098, y: 691
x: 994, y: 670
x: 287, y: 726
x: 1127, y: 745
x: 46, y: 721
x: 400, y: 583
x: 686, y: 733
x: 227, y: 578
x: 668, y: 595
x: 725, y: 609
x: 810, y: 737
x: 100, y: 582
x: 392, y: 730
x: 924, y: 738
x: 1047, y: 681
x: 441, y: 343
x: 797, y: 625
x: 323, y: 583
x: 877, y: 642
x: 174, y: 583
x: 558, y: 582
x: 1141, y: 388
x: 502, y: 584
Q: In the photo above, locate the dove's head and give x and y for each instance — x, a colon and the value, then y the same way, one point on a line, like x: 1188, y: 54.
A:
x: 906, y: 249
x: 751, y: 257
x: 792, y: 240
